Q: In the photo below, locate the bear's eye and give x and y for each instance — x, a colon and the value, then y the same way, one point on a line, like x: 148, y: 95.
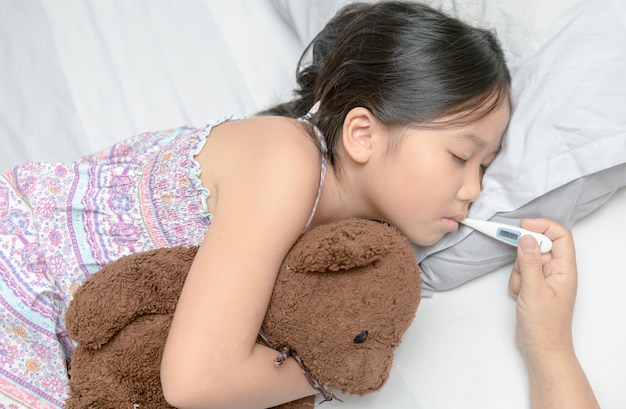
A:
x: 360, y: 337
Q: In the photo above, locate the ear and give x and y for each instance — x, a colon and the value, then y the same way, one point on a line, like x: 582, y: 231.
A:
x: 359, y: 129
x: 341, y: 245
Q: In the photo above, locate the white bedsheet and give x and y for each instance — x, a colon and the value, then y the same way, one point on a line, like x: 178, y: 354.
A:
x: 80, y: 75
x: 460, y: 351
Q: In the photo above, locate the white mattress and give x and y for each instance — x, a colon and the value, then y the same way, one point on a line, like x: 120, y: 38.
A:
x: 80, y: 75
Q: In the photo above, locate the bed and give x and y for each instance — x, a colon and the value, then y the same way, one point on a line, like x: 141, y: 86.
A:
x: 78, y: 77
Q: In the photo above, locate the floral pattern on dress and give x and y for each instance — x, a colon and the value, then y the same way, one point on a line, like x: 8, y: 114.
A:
x: 61, y: 222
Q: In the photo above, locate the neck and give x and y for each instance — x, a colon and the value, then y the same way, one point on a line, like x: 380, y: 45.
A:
x: 340, y: 198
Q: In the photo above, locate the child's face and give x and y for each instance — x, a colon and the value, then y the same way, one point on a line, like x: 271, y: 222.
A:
x: 433, y: 175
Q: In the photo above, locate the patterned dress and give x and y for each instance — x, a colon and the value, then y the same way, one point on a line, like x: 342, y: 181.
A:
x: 61, y: 222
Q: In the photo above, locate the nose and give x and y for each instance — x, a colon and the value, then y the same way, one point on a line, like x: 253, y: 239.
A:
x: 472, y: 185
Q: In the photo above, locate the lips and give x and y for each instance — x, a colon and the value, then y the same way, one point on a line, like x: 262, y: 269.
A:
x: 461, y: 217
x: 451, y: 223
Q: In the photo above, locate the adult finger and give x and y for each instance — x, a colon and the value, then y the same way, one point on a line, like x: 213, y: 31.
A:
x: 530, y: 264
x: 515, y: 280
x: 555, y: 232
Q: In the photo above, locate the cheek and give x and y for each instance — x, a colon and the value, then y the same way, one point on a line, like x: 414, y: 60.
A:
x: 433, y: 175
x: 422, y: 174
x: 421, y: 194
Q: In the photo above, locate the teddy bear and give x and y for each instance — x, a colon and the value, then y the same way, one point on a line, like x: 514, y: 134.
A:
x: 344, y: 296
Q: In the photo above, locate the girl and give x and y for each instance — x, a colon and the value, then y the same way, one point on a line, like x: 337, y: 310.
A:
x: 409, y: 108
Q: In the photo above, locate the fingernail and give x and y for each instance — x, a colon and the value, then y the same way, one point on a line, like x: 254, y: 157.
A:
x: 529, y: 245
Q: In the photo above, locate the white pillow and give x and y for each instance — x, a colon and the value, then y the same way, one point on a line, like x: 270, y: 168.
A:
x: 564, y: 153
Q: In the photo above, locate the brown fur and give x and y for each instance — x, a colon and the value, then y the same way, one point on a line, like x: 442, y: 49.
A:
x: 337, y: 280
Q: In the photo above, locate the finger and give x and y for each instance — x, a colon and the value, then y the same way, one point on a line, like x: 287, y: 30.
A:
x: 514, y: 280
x: 562, y: 258
x: 539, y: 225
x: 530, y: 264
x: 560, y: 235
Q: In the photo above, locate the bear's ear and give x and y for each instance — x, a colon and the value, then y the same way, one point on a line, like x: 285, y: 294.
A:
x: 341, y: 245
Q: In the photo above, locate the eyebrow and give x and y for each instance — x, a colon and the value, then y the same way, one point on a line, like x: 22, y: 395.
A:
x: 475, y: 139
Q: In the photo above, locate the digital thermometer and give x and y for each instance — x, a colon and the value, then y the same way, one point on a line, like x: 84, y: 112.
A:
x: 508, y: 234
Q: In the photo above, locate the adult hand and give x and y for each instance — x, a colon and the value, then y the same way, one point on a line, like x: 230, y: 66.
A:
x: 545, y: 289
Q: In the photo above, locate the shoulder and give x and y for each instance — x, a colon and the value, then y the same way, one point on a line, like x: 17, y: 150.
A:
x: 269, y: 161
x: 265, y: 143
x: 263, y: 139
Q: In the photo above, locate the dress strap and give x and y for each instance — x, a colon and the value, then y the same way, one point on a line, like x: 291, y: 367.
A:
x: 324, y: 149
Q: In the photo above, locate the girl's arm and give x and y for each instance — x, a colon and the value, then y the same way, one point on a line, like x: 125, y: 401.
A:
x: 265, y: 180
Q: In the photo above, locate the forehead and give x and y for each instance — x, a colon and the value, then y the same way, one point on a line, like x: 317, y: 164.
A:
x: 484, y: 129
x: 476, y: 109
x: 471, y: 138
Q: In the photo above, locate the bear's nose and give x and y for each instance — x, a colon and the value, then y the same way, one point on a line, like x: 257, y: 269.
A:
x: 360, y: 337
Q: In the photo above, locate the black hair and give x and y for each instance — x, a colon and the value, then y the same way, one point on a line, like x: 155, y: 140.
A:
x: 404, y: 61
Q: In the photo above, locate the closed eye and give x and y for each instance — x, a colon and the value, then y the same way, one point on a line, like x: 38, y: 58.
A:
x: 459, y: 159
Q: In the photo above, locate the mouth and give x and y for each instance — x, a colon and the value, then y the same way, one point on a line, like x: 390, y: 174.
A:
x: 451, y: 223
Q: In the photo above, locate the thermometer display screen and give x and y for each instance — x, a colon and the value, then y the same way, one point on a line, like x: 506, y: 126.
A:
x: 508, y: 235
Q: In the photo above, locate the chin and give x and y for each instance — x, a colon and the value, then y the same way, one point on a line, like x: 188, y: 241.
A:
x: 426, y: 235
x: 433, y: 242
x: 427, y: 241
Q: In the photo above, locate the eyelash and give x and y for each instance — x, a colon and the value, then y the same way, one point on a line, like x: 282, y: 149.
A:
x: 459, y: 159
x: 462, y: 161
